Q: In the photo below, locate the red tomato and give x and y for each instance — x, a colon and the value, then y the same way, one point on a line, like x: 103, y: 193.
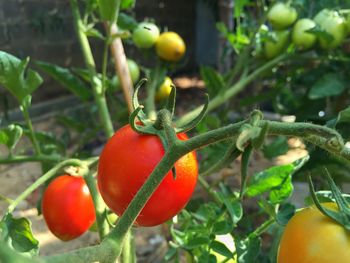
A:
x: 67, y: 207
x: 125, y: 163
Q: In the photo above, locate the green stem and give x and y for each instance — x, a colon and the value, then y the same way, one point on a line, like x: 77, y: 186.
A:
x: 230, y: 92
x: 105, y: 60
x: 34, y: 158
x: 262, y: 228
x: 41, y: 180
x: 31, y: 129
x: 99, y: 94
x: 128, y: 253
x: 100, y: 207
x: 209, y: 190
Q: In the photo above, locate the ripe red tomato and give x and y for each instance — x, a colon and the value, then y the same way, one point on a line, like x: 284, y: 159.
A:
x: 67, y: 207
x: 127, y: 160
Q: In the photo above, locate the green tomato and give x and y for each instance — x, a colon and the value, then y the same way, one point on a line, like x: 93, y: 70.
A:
x: 281, y: 15
x: 134, y: 70
x: 145, y: 35
x: 331, y: 22
x: 134, y: 74
x: 274, y: 47
x: 300, y: 37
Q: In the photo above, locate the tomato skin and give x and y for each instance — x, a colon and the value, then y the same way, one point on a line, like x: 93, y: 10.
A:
x: 145, y: 35
x: 311, y: 237
x: 281, y: 15
x: 67, y: 207
x: 300, y: 37
x: 127, y: 160
x: 274, y: 48
x: 335, y: 25
x: 164, y: 89
x: 170, y: 46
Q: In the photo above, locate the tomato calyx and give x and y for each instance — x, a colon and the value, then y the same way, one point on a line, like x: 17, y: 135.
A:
x: 343, y: 215
x: 140, y: 123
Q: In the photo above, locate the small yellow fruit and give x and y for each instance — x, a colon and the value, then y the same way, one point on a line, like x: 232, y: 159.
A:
x: 164, y: 89
x: 170, y: 46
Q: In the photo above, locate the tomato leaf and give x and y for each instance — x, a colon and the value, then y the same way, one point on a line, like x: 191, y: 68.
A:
x: 276, y: 148
x: 108, y: 9
x: 281, y: 193
x: 248, y: 249
x: 273, y: 178
x: 344, y: 116
x: 126, y: 22
x: 221, y: 249
x: 285, y: 213
x: 17, y: 233
x: 11, y: 135
x: 222, y: 227
x: 233, y: 206
x: 126, y: 4
x: 67, y: 79
x: 197, y: 241
x: 17, y: 78
x: 214, y: 82
x: 330, y: 84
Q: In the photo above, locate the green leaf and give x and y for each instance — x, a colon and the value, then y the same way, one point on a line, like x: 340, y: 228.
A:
x: 344, y: 116
x: 17, y: 233
x: 273, y: 178
x: 16, y: 77
x: 233, y: 206
x: 197, y: 241
x: 214, y: 81
x: 248, y: 249
x: 276, y: 148
x: 108, y: 9
x: 126, y: 22
x: 67, y: 79
x: 330, y: 84
x: 285, y: 213
x: 126, y: 4
x: 282, y: 192
x: 221, y: 249
x: 222, y: 227
x: 11, y: 135
x: 321, y: 33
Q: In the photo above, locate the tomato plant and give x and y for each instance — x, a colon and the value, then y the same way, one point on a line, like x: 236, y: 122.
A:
x: 67, y: 207
x: 145, y: 35
x: 281, y: 15
x: 301, y: 38
x: 332, y: 23
x: 311, y: 237
x: 170, y: 46
x: 127, y: 160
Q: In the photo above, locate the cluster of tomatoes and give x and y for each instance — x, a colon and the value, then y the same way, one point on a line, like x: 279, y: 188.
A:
x: 328, y: 28
x: 125, y: 163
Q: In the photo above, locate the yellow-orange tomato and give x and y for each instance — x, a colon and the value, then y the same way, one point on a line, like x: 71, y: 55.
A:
x: 164, y: 89
x: 170, y: 46
x: 311, y: 237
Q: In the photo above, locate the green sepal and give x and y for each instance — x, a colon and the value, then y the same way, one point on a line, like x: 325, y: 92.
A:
x: 343, y: 215
x: 244, y: 167
x: 193, y: 123
x: 171, y: 101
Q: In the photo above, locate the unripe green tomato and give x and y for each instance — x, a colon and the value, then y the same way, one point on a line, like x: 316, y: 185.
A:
x: 145, y: 35
x: 281, y: 15
x: 300, y: 37
x: 334, y: 24
x: 134, y: 70
x: 134, y: 74
x: 274, y: 48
